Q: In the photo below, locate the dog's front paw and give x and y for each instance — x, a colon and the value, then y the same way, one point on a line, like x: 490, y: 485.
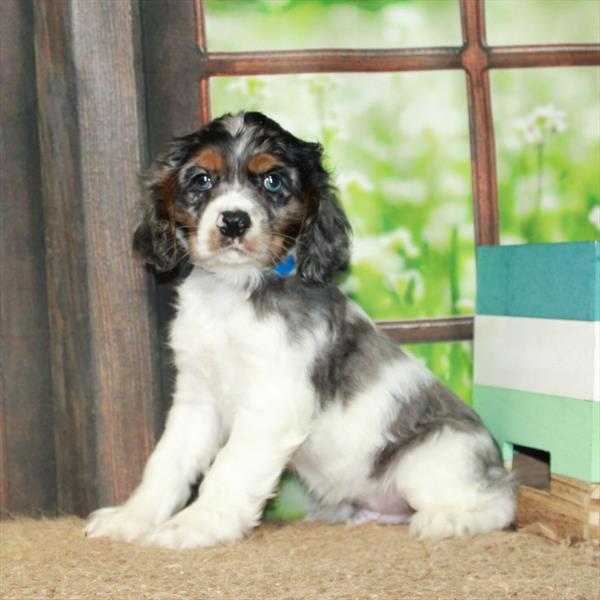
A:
x: 117, y: 523
x: 189, y: 530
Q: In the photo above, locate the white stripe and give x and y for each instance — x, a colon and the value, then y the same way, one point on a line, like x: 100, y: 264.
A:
x: 545, y: 356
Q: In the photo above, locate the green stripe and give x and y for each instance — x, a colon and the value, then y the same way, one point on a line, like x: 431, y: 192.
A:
x: 551, y: 281
x: 568, y: 429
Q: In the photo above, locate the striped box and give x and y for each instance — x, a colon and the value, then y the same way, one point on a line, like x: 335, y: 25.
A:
x: 537, y: 352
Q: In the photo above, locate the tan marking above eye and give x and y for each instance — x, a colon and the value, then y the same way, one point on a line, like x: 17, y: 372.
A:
x: 261, y: 163
x: 165, y: 190
x: 210, y: 160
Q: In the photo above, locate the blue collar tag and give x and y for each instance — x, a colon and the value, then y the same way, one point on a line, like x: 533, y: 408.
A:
x: 286, y: 267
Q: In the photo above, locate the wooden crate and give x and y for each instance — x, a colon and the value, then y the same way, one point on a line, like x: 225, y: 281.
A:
x: 571, y: 508
x: 537, y: 372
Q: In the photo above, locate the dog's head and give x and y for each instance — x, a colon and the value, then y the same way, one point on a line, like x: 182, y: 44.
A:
x: 239, y: 194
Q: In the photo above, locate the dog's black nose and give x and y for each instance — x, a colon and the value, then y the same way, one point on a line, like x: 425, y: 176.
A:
x: 233, y: 223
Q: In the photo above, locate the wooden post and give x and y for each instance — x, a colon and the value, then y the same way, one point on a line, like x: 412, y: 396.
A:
x: 27, y: 466
x: 172, y: 62
x: 92, y: 143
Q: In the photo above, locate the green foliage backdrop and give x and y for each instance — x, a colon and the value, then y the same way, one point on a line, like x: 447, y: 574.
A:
x: 398, y: 144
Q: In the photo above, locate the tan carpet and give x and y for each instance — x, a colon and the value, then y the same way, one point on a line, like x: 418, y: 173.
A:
x: 52, y: 559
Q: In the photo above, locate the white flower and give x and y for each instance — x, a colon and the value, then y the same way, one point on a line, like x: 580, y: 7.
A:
x: 513, y: 240
x: 594, y: 216
x: 533, y: 134
x: 402, y: 280
x: 375, y: 250
x: 466, y: 305
x: 550, y: 118
x: 443, y: 218
x: 403, y: 238
x: 455, y: 184
x: 354, y: 180
x: 383, y: 251
x: 541, y: 123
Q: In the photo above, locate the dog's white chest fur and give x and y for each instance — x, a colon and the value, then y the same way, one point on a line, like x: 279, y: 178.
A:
x: 239, y: 361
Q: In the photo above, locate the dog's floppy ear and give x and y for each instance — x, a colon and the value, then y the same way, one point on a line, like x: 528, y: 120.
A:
x: 155, y: 237
x: 323, y: 247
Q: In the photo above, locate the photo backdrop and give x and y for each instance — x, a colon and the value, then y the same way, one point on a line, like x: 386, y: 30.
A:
x: 398, y: 143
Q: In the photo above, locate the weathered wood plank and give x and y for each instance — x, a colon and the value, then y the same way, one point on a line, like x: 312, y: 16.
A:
x: 285, y: 62
x: 70, y: 350
x: 92, y: 147
x: 27, y: 480
x: 171, y: 68
x: 171, y: 65
x: 418, y: 331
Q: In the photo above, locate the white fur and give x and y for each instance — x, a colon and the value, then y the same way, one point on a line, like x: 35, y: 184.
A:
x: 234, y: 258
x: 337, y: 457
x: 460, y: 503
x: 244, y: 408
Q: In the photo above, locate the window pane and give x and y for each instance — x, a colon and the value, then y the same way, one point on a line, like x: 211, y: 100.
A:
x: 547, y: 124
x: 236, y: 25
x: 452, y: 362
x: 542, y: 21
x: 398, y: 146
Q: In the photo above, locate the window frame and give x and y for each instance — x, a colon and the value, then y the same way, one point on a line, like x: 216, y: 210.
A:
x: 475, y: 57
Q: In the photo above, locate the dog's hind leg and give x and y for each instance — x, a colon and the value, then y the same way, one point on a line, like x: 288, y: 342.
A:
x: 456, y: 484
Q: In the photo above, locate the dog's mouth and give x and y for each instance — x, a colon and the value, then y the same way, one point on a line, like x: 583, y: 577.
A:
x: 234, y: 253
x: 236, y: 249
x: 235, y: 246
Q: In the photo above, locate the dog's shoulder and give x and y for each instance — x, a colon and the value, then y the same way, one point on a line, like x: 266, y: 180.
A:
x: 288, y: 296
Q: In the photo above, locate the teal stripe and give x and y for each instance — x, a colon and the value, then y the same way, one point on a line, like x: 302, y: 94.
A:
x: 550, y: 281
x: 568, y: 429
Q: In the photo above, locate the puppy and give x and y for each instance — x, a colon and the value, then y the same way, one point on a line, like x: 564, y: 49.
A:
x: 279, y: 372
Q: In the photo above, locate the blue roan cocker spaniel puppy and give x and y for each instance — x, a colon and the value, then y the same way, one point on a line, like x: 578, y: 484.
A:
x: 277, y: 372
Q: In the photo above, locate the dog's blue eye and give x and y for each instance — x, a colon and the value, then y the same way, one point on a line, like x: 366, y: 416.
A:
x: 203, y: 181
x: 272, y: 183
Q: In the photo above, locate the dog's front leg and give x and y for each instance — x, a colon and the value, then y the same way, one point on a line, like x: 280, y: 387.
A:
x: 234, y: 491
x: 186, y: 448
